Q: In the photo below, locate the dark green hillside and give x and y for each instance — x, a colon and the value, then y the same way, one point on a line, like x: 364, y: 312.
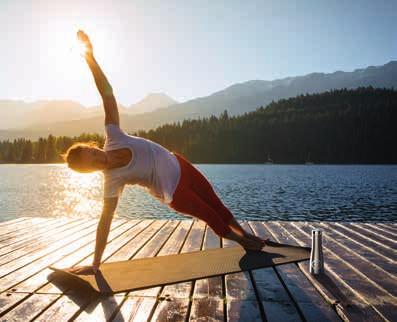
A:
x: 341, y: 126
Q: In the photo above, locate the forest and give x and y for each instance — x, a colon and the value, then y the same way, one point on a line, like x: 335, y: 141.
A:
x: 335, y: 127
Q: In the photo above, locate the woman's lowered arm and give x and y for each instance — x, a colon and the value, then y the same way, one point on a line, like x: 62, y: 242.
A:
x: 102, y: 233
x: 104, y: 88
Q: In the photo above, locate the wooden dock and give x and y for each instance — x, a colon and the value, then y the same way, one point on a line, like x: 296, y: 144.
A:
x: 359, y: 285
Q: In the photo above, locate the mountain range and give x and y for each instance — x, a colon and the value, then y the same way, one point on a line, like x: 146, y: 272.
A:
x: 71, y: 118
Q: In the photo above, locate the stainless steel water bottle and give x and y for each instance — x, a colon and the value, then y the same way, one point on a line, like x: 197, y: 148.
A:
x: 316, y: 256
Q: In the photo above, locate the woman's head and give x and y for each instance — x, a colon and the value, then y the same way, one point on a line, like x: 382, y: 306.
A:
x: 85, y: 157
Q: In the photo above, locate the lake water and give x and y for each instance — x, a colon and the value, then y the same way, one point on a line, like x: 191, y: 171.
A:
x: 252, y: 192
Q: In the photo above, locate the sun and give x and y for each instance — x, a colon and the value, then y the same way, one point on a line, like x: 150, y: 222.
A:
x: 64, y: 52
x: 79, y: 48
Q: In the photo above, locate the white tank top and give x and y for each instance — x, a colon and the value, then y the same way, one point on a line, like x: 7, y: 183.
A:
x: 152, y: 166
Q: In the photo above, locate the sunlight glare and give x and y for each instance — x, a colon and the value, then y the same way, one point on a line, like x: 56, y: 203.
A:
x: 65, y: 52
x: 79, y: 195
x: 79, y: 48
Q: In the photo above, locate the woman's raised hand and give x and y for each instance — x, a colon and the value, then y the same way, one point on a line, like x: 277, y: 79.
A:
x: 85, y: 40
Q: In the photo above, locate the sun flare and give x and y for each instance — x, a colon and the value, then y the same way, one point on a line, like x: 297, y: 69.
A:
x: 79, y: 194
x: 64, y: 51
x: 79, y: 48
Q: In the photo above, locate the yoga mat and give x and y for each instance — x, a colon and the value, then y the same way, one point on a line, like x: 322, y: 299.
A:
x: 141, y: 273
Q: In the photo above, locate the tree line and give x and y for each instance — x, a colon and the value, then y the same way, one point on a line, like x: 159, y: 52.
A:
x: 44, y: 150
x: 338, y: 126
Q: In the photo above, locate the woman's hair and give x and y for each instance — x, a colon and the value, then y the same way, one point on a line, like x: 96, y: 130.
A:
x: 73, y: 156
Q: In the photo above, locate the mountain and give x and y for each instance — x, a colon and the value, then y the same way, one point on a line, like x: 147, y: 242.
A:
x: 237, y: 99
x: 12, y: 112
x: 248, y: 96
x: 151, y: 102
x: 20, y: 115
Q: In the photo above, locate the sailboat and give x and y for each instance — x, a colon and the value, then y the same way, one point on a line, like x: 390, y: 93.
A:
x: 269, y: 160
x: 308, y: 162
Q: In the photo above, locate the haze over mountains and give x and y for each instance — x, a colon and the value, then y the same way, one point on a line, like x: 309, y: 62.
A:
x: 19, y: 119
x: 19, y: 115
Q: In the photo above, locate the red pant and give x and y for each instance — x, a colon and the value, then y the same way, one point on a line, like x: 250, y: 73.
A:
x: 195, y: 196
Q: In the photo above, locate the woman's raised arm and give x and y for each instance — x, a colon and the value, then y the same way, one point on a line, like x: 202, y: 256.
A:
x: 104, y: 88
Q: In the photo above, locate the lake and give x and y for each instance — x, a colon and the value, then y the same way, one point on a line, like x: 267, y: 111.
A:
x: 251, y: 191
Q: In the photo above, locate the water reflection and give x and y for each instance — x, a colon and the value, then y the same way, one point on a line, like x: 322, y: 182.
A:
x: 77, y: 194
x: 252, y: 192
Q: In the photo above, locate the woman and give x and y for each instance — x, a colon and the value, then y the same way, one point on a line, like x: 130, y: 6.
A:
x: 168, y: 176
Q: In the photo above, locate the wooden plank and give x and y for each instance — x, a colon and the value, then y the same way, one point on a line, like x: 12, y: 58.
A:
x: 375, y: 258
x: 208, y: 298
x: 19, y: 229
x: 308, y: 300
x: 32, y: 236
x: 135, y: 309
x: 100, y: 308
x: 347, y: 304
x: 207, y: 309
x: 381, y: 231
x: 28, y: 249
x: 63, y: 308
x: 99, y: 311
x: 388, y: 227
x: 277, y: 304
x: 177, y: 304
x: 241, y: 301
x: 67, y: 305
x: 380, y: 235
x: 243, y: 310
x: 8, y: 300
x: 352, y: 278
x: 385, y: 242
x: 9, y: 225
x: 10, y: 222
x: 386, y: 252
x: 44, y: 249
x: 30, y: 309
x: 275, y: 300
x: 39, y: 280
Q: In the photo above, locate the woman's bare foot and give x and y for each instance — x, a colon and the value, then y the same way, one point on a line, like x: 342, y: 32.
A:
x: 239, y: 230
x: 250, y: 244
x: 256, y: 238
x: 245, y: 242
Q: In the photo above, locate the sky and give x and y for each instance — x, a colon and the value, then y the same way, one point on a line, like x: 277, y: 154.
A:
x: 186, y: 49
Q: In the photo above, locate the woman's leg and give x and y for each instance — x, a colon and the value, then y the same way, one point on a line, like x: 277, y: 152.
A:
x: 204, y: 189
x: 188, y: 202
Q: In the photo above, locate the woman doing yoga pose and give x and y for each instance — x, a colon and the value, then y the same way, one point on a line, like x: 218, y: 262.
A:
x: 167, y: 175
